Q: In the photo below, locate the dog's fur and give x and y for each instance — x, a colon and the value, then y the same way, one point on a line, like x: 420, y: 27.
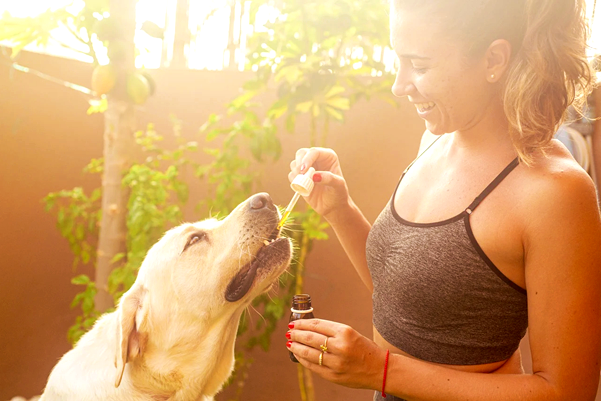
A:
x: 172, y: 335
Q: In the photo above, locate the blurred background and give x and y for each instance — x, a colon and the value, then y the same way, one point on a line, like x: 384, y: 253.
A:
x: 121, y: 119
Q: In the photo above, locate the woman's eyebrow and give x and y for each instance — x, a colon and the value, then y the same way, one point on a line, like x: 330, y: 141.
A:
x: 414, y: 56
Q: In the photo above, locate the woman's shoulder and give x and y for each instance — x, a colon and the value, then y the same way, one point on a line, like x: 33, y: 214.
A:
x: 554, y: 168
x: 556, y: 184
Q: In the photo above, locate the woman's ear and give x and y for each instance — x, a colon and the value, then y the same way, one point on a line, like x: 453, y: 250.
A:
x: 497, y: 58
x: 131, y: 315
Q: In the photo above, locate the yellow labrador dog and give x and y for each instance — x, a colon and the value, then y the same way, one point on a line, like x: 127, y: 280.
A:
x: 172, y: 335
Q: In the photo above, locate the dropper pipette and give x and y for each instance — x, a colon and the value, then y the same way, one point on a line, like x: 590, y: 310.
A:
x: 288, y: 210
x: 302, y: 185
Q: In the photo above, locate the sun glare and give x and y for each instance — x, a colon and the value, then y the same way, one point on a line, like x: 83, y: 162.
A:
x: 208, y: 25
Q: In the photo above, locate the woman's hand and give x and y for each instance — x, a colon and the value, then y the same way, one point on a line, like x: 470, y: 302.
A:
x: 330, y: 191
x: 350, y: 359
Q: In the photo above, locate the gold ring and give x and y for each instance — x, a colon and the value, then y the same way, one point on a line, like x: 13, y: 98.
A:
x: 321, y: 359
x: 324, y: 346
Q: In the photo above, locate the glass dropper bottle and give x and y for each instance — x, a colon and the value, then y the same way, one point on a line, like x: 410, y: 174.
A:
x: 302, y: 185
x: 301, y: 309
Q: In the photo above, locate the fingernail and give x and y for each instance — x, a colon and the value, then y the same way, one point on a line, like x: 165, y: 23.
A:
x: 317, y: 177
x: 288, y: 335
x: 291, y: 325
x: 288, y: 344
x: 303, y: 166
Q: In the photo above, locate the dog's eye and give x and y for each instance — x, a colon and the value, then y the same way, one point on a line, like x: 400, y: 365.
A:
x: 194, y: 238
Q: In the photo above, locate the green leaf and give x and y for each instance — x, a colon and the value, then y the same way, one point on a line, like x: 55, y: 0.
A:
x: 82, y: 279
x: 290, y: 122
x: 152, y: 29
x: 334, y: 91
x: 277, y: 109
x: 117, y: 257
x: 304, y: 106
x: 341, y: 103
x: 334, y: 113
x: 98, y: 105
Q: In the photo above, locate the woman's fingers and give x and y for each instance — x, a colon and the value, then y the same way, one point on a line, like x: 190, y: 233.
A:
x: 314, y: 340
x: 300, y: 155
x: 324, y: 371
x: 310, y: 357
x: 314, y: 157
x: 305, y: 352
x: 325, y: 327
x: 328, y: 178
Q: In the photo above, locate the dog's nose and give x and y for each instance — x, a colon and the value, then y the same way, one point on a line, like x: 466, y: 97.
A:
x: 260, y: 201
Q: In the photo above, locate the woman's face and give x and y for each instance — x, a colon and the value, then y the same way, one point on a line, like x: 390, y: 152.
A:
x: 449, y: 89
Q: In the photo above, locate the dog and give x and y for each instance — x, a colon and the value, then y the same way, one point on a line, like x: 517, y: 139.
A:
x: 172, y: 334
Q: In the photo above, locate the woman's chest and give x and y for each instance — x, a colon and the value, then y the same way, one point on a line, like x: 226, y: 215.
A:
x: 424, y: 201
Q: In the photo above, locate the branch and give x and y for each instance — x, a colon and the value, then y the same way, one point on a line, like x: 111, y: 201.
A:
x: 74, y: 33
x: 91, y: 51
x: 66, y: 46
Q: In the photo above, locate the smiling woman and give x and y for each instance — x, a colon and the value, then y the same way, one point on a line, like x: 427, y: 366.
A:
x: 481, y: 238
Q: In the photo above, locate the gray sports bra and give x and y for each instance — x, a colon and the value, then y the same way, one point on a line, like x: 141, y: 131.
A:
x: 437, y: 296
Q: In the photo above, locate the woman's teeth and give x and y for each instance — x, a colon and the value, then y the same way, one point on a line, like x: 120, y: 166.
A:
x: 423, y: 107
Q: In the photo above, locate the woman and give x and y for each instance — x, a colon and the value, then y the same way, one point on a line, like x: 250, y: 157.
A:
x: 493, y: 229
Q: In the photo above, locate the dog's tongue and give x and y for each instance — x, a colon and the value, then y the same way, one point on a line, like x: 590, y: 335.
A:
x: 240, y: 284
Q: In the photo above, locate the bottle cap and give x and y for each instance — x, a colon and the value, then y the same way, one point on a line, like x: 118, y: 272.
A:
x: 303, y: 183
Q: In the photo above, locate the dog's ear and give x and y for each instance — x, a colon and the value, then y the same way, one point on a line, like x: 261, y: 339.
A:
x: 130, y: 317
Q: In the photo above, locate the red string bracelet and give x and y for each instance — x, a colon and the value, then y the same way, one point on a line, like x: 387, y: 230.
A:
x: 385, y: 371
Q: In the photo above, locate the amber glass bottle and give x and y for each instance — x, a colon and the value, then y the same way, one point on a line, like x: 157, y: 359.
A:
x: 301, y: 309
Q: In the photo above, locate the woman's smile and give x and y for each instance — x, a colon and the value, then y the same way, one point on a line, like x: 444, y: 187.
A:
x: 424, y: 108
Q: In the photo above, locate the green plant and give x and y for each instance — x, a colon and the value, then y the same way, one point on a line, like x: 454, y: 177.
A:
x: 156, y: 197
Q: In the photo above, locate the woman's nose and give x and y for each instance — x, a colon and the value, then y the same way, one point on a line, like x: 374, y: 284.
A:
x: 403, y: 86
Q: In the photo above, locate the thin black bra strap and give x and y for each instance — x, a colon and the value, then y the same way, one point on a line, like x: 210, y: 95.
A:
x: 407, y: 168
x: 424, y: 151
x: 493, y: 185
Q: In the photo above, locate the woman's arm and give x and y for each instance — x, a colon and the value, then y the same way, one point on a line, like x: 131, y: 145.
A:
x: 352, y: 229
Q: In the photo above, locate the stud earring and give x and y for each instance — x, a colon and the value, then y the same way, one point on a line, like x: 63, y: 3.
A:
x: 492, y: 76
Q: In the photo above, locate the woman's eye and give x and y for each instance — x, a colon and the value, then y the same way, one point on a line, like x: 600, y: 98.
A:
x: 419, y: 70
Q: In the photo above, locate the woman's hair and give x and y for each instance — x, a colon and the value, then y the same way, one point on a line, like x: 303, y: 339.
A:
x: 549, y: 70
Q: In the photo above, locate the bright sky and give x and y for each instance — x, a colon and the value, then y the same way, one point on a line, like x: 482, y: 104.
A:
x: 208, y: 47
x: 212, y: 39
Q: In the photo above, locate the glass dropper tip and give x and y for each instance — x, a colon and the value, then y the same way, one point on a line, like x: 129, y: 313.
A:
x: 288, y: 210
x: 302, y: 185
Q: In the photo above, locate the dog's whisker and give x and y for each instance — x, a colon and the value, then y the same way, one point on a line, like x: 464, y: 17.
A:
x: 258, y: 313
x: 250, y: 318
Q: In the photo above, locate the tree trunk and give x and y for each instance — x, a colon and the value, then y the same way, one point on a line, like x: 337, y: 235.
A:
x: 120, y: 124
x: 232, y: 40
x: 182, y: 34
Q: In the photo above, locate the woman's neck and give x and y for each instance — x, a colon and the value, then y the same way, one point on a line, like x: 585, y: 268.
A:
x: 489, y: 138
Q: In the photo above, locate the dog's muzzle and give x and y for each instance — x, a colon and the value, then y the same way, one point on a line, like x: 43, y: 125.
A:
x: 273, y: 253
